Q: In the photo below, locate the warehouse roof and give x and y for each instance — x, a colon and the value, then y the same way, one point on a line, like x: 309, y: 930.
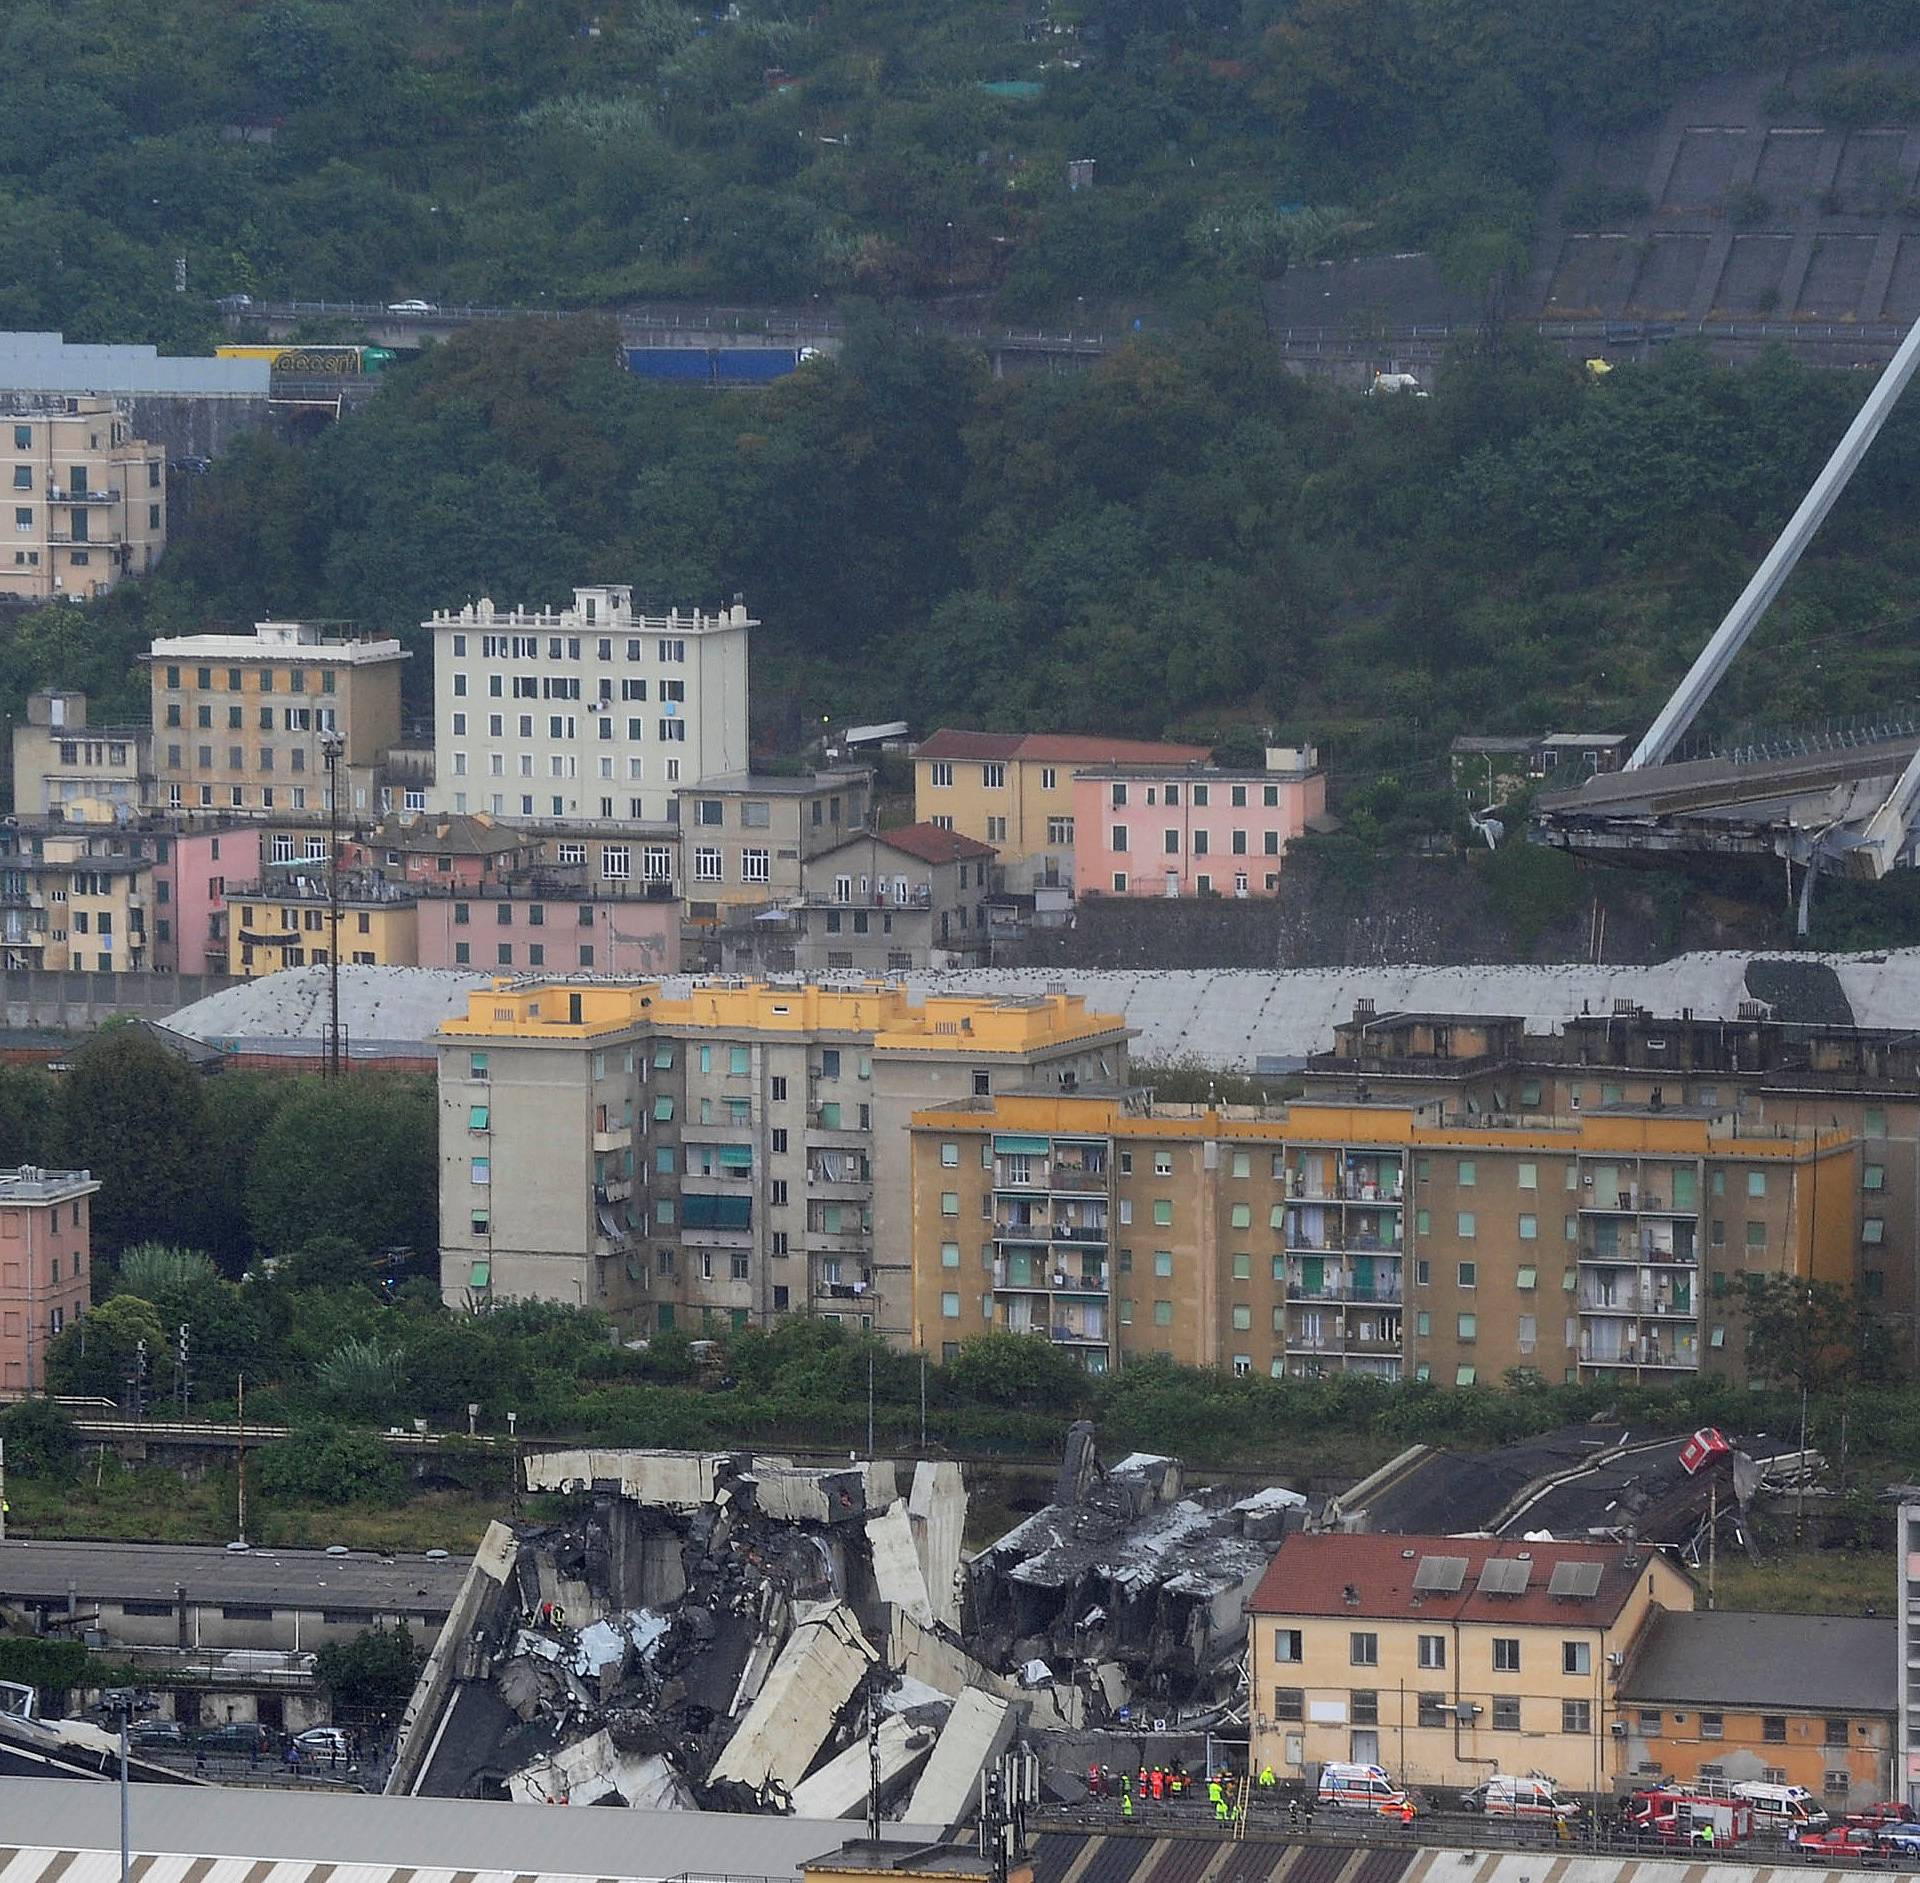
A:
x: 292, y: 1831
x: 1773, y: 1663
x: 1064, y: 748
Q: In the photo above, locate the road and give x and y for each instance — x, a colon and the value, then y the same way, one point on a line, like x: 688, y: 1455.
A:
x: 36, y: 1571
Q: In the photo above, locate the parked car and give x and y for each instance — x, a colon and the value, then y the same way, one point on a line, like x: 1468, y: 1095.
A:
x: 156, y: 1733
x: 1842, y: 1840
x: 233, y: 303
x: 1889, y: 1811
x: 237, y: 1737
x: 411, y: 307
x: 324, y: 1742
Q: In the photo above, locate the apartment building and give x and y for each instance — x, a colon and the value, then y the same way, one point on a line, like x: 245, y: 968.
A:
x: 1198, y: 830
x: 1906, y: 1785
x: 242, y: 722
x: 590, y: 713
x: 191, y: 870
x: 76, y: 896
x: 61, y: 764
x: 452, y: 853
x: 1773, y: 1075
x: 1373, y: 1236
x: 748, y: 838
x: 1783, y: 1699
x: 1015, y: 791
x: 89, y: 499
x: 720, y: 1158
x: 879, y: 902
x: 549, y: 921
x: 1447, y: 1658
x: 286, y: 920
x: 46, y: 1266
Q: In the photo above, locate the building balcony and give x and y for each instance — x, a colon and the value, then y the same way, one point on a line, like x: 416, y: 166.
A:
x: 1095, y: 1233
x: 1633, y: 1200
x: 1078, y: 1330
x: 1023, y: 1228
x: 840, y: 1189
x: 58, y: 494
x: 850, y: 1239
x: 1638, y: 1255
x: 1012, y: 1182
x: 1679, y: 1354
x: 1303, y: 1189
x: 1381, y: 1291
x: 1630, y: 1303
x: 612, y: 1140
x: 613, y: 1190
x: 843, y: 1291
x: 106, y: 534
x: 1044, y: 1278
x: 836, y: 1137
x: 1081, y: 1182
x: 1298, y: 1243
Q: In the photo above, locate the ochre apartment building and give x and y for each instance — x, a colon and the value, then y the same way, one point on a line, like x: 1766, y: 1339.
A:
x: 1376, y: 1237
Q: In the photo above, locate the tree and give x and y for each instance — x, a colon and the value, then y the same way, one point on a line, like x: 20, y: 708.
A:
x: 96, y: 1353
x: 324, y: 1465
x: 1016, y: 1370
x: 1817, y: 1337
x: 40, y: 1437
x: 162, y: 1273
x: 373, y: 1673
x: 355, y: 1158
x: 134, y: 1114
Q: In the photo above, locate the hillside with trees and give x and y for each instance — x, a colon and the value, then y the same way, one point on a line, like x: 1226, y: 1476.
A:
x: 580, y: 152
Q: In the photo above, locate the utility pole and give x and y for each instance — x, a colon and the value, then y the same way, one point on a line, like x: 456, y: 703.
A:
x: 331, y: 745
x: 3, y: 1490
x: 240, y: 1394
x: 869, y: 1405
x: 1713, y: 1537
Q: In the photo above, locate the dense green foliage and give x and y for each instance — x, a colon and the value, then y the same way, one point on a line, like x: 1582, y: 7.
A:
x: 245, y: 1163
x: 504, y: 150
x: 1183, y: 539
x: 372, y: 1673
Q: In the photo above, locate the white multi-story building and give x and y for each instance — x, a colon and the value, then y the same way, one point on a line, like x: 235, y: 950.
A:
x: 585, y: 714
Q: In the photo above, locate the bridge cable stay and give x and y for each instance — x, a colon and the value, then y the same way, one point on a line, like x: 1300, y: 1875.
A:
x: 1744, y: 616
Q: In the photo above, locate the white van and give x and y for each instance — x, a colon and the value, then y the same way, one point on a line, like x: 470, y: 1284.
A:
x: 1783, y: 1809
x: 1533, y: 1798
x: 1363, y: 1788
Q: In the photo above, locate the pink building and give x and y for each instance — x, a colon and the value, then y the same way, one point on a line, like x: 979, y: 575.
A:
x: 548, y: 927
x: 45, y: 1260
x: 1193, y: 830
x: 450, y: 850
x: 191, y: 871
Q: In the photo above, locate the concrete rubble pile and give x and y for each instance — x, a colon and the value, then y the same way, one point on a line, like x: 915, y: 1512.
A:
x: 709, y: 1632
x: 1129, y: 1589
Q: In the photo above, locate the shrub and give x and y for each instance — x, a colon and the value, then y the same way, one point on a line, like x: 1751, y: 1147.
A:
x: 327, y: 1466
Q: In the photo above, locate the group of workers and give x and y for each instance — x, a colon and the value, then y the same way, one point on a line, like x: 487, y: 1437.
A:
x: 1173, y: 1784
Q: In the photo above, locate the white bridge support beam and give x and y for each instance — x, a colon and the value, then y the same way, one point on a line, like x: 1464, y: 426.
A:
x: 1743, y: 617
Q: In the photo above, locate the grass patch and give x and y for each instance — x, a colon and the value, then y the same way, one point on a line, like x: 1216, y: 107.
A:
x: 1809, y: 1582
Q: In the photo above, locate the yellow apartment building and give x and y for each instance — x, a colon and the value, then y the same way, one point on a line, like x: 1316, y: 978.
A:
x: 241, y: 722
x: 1364, y: 1237
x: 89, y: 500
x: 1014, y: 790
x: 1447, y: 1659
x: 724, y: 1157
x: 287, y: 922
x: 64, y: 767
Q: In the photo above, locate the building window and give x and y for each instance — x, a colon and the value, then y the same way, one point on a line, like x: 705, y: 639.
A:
x: 1433, y: 1709
x: 1576, y: 1716
x: 1650, y: 1722
x: 1466, y: 1225
x: 1433, y: 1651
x: 1506, y: 1654
x: 1286, y: 1645
x: 1506, y: 1713
x: 1363, y: 1650
x: 1163, y: 1314
x: 1712, y: 1726
x: 942, y: 774
x: 1468, y: 1273
x: 1834, y: 1733
x: 1289, y: 1703
x: 1773, y: 1728
x: 1576, y: 1657
x: 993, y: 777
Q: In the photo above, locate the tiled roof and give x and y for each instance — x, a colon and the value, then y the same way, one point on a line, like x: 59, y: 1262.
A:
x: 1373, y: 1578
x: 931, y: 844
x: 461, y: 833
x: 1060, y: 748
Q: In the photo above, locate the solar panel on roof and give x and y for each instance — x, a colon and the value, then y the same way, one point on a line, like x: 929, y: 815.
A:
x: 1440, y: 1574
x: 1581, y: 1581
x: 1505, y: 1575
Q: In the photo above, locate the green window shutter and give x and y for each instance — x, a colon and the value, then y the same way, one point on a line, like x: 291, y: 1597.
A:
x: 476, y: 1117
x: 736, y: 1157
x: 663, y: 1056
x: 663, y: 1109
x: 481, y: 1274
x: 666, y: 1317
x: 1008, y: 1146
x: 830, y: 1117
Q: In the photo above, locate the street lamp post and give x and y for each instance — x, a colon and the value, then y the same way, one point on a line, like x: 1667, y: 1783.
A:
x: 331, y: 745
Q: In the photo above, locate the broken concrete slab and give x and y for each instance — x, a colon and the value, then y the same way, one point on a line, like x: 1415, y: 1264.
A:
x: 839, y: 1789
x: 672, y: 1480
x: 594, y: 1770
x: 896, y: 1562
x: 937, y: 1510
x: 977, y: 1730
x: 824, y: 1660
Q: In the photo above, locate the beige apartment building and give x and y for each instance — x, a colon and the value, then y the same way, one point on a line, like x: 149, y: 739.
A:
x: 1014, y: 790
x: 591, y: 713
x: 242, y: 722
x: 720, y: 1158
x: 89, y: 500
x: 64, y: 767
x: 1376, y: 1235
x: 747, y: 838
x: 1446, y: 1659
